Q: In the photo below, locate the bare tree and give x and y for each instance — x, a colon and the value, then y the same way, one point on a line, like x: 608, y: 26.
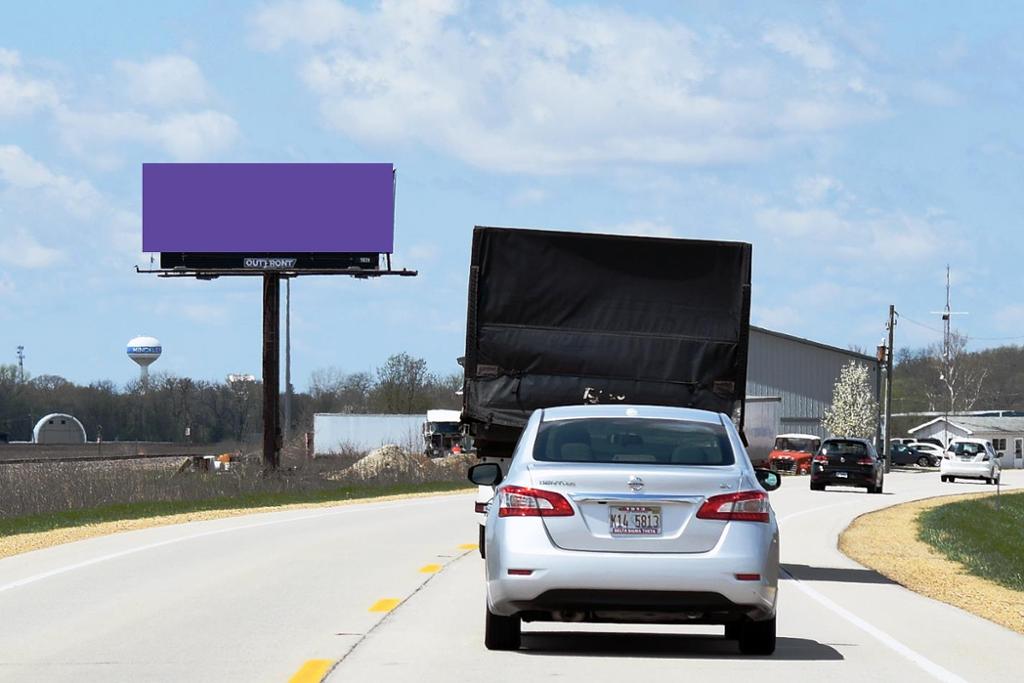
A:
x: 960, y: 377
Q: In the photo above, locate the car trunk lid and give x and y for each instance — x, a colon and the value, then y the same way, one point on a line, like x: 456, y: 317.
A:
x: 635, y: 508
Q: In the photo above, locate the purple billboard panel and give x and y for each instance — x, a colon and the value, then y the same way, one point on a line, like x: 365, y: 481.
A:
x: 268, y: 208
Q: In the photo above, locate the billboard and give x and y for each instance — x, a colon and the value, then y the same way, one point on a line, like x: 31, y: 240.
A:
x: 267, y: 210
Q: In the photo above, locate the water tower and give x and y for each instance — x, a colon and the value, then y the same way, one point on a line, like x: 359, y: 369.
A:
x: 144, y: 351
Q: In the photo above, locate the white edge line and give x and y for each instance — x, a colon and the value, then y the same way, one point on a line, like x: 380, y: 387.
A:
x: 181, y: 539
x: 881, y: 636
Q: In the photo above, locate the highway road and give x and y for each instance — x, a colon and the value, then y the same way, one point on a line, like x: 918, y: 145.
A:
x: 393, y: 592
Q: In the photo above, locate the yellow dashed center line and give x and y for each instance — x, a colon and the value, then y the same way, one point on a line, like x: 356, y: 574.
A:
x: 430, y: 568
x: 312, y: 671
x: 385, y: 605
x: 468, y: 546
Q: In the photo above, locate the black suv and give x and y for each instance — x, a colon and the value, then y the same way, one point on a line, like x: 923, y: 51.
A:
x: 847, y: 462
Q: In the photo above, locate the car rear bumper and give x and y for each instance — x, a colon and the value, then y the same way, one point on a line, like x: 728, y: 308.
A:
x: 631, y: 587
x: 974, y: 470
x: 843, y: 477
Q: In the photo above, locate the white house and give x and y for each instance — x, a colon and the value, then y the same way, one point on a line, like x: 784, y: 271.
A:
x: 1005, y: 433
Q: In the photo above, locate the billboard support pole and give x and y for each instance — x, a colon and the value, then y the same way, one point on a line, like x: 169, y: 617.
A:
x: 271, y: 371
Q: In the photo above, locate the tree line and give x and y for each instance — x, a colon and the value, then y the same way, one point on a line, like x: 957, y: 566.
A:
x: 942, y: 378
x: 212, y: 412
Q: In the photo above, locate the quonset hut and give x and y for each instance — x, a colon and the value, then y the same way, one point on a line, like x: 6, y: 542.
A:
x: 58, y: 428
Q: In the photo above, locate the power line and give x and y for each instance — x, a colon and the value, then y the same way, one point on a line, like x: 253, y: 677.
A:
x: 970, y: 337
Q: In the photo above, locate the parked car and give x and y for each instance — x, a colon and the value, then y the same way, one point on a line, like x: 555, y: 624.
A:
x: 792, y: 453
x: 847, y: 462
x: 970, y: 459
x: 631, y: 514
x: 929, y: 448
x: 900, y: 454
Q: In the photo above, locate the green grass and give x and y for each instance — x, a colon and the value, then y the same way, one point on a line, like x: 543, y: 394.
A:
x: 126, y: 511
x: 989, y: 542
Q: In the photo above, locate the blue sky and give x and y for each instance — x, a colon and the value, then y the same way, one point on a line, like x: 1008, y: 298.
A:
x: 859, y: 147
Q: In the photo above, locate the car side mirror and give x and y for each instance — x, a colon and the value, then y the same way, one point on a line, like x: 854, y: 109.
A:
x: 485, y: 474
x: 768, y: 479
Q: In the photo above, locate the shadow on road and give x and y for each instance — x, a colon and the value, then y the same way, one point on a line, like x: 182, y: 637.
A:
x: 665, y: 646
x: 853, y: 489
x: 803, y: 572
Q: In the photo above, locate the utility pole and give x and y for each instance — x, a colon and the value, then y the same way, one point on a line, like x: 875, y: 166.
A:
x: 888, y: 388
x: 271, y: 371
x: 21, y: 363
x: 287, y: 359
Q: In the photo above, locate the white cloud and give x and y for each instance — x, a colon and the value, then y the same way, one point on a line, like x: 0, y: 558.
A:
x: 528, y: 196
x: 21, y: 95
x: 313, y: 22
x: 534, y: 87
x: 804, y: 46
x: 816, y: 189
x: 423, y: 253
x: 205, y: 313
x: 164, y: 81
x: 934, y: 93
x: 868, y: 237
x: 21, y: 250
x: 21, y: 172
x: 185, y: 136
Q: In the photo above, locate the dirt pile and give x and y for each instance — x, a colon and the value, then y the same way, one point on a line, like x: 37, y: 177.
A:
x: 392, y: 464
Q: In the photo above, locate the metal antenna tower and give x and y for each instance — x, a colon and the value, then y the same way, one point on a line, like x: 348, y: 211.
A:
x: 947, y: 315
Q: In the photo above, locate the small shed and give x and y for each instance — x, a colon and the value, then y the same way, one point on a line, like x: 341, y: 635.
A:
x: 58, y: 428
x: 1005, y: 433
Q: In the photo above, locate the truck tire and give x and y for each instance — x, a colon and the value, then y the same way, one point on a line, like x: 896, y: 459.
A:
x: 503, y: 633
x: 757, y: 637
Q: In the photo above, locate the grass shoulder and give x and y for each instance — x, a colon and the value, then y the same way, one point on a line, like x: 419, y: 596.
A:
x: 986, y: 539
x: 22, y: 534
x: 890, y: 541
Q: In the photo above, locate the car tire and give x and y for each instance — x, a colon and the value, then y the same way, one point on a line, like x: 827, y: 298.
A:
x: 952, y: 480
x: 817, y: 487
x: 877, y: 489
x: 923, y: 461
x: 732, y: 630
x: 480, y: 543
x: 502, y: 633
x: 757, y: 637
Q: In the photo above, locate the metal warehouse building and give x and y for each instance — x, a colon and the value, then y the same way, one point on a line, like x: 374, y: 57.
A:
x: 798, y: 375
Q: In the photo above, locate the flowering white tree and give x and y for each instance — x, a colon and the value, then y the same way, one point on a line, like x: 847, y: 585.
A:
x: 854, y: 411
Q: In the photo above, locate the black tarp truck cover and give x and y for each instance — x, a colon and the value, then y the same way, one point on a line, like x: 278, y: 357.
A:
x: 563, y: 318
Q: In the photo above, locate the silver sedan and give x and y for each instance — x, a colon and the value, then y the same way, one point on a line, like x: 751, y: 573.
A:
x: 631, y: 514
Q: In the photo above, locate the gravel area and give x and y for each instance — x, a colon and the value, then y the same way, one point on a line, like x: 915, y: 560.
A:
x: 887, y: 542
x: 23, y: 543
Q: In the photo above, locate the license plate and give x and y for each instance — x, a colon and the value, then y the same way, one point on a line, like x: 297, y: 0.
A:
x: 842, y: 475
x: 634, y: 520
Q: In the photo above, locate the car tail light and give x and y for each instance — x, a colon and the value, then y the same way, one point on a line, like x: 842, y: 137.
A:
x: 742, y: 506
x: 520, y: 501
x: 823, y: 459
x: 865, y: 461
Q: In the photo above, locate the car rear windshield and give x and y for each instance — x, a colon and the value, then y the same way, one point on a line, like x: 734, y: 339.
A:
x: 844, y: 448
x: 633, y: 441
x: 790, y: 444
x: 968, y: 448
